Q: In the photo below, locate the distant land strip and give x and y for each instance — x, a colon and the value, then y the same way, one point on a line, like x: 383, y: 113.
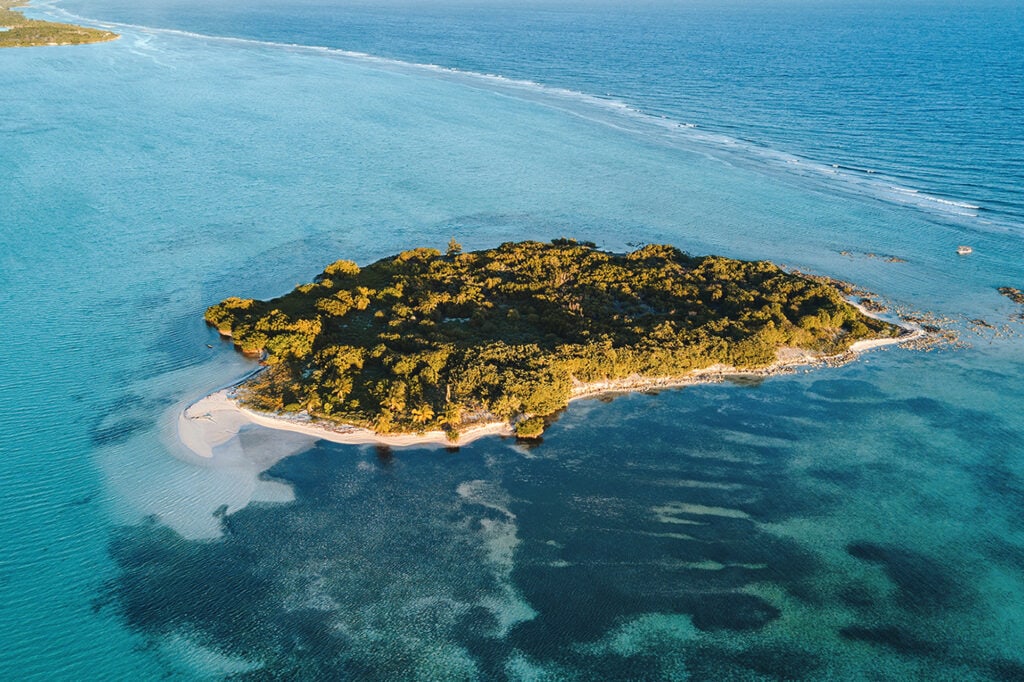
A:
x: 17, y: 30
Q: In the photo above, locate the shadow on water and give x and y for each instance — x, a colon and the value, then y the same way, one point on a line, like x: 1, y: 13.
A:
x: 385, y: 456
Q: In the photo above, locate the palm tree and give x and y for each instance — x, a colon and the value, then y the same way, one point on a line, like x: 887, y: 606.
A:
x: 422, y: 414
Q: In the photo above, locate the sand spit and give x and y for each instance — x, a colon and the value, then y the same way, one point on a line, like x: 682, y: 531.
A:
x: 217, y: 418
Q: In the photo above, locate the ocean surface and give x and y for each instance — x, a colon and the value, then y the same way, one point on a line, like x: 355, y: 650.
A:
x: 865, y: 521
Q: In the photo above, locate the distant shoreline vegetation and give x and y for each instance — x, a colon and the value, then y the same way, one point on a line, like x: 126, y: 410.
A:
x: 16, y: 30
x: 426, y: 340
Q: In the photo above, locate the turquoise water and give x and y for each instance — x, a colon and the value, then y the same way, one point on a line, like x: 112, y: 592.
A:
x: 857, y: 521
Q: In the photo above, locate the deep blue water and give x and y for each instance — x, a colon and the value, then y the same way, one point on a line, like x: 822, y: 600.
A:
x: 924, y: 96
x: 853, y: 522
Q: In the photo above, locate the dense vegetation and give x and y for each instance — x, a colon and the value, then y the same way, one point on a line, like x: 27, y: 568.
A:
x: 425, y: 340
x: 24, y: 32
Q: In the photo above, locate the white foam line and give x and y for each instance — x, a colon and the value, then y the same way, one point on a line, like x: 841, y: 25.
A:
x: 558, y: 98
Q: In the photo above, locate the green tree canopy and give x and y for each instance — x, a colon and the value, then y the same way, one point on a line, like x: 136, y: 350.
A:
x: 425, y: 340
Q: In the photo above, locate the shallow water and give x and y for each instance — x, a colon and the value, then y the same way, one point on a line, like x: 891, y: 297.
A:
x: 846, y: 522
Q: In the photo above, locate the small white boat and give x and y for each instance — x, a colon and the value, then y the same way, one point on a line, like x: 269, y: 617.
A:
x: 964, y: 250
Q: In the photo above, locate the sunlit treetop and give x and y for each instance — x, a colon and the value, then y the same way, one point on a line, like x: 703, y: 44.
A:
x: 428, y: 340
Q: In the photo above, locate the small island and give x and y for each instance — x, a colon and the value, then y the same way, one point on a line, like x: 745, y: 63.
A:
x: 17, y: 30
x: 427, y: 342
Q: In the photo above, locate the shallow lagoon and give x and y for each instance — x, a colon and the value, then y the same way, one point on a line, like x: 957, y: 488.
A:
x: 850, y: 520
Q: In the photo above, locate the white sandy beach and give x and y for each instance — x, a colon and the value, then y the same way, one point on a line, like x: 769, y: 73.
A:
x: 789, y: 358
x: 216, y: 419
